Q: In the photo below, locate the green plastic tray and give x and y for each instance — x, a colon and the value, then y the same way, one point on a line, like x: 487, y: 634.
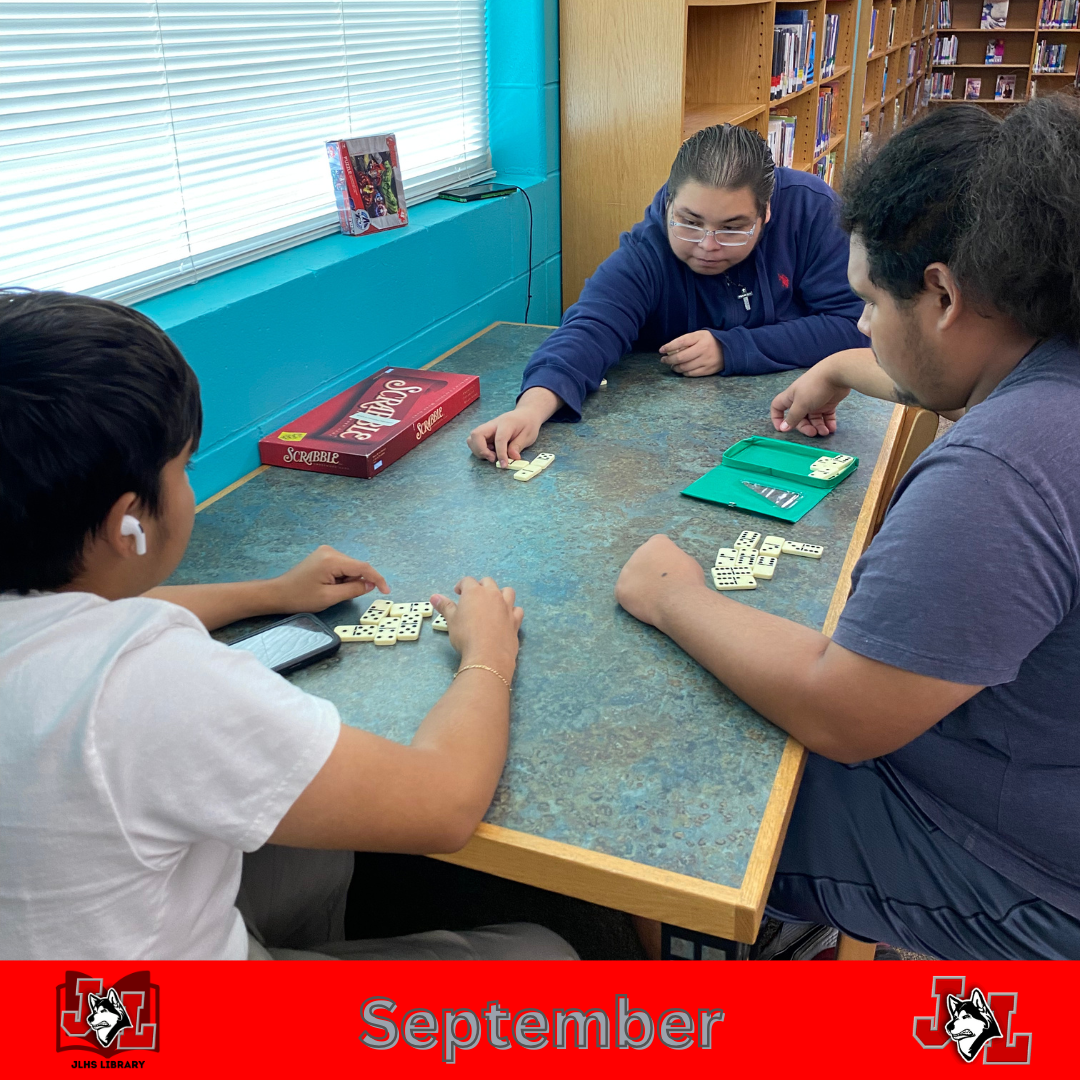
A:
x: 771, y: 463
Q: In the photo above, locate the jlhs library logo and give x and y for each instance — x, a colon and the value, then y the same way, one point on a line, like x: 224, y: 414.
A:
x: 979, y: 1024
x: 107, y: 1020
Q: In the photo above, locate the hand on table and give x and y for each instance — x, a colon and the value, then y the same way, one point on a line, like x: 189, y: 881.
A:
x: 809, y: 404
x: 324, y: 578
x: 694, y: 354
x: 656, y: 572
x: 505, y: 438
x: 483, y: 624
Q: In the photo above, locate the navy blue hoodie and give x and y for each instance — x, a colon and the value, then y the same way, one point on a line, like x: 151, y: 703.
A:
x: 642, y: 296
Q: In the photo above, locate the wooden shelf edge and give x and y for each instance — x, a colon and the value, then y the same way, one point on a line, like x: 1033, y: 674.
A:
x: 718, y: 112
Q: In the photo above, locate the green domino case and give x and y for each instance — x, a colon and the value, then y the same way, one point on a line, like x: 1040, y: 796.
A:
x: 770, y: 463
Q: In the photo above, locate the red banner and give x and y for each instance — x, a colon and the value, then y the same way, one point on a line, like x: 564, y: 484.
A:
x: 589, y: 1019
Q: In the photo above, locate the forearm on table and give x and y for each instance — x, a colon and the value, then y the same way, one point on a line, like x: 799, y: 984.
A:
x: 219, y: 605
x: 769, y: 662
x: 467, y: 732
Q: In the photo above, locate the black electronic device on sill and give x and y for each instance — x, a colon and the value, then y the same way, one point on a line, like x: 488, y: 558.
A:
x: 476, y: 192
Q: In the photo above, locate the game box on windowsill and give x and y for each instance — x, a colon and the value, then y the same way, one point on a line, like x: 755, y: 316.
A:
x: 369, y: 426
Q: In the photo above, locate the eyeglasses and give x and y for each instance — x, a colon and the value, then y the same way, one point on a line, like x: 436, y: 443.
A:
x: 695, y: 234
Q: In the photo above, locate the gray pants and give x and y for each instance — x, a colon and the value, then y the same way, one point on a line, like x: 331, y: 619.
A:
x: 293, y: 901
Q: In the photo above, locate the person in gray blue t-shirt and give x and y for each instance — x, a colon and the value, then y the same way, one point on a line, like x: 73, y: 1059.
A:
x: 939, y: 807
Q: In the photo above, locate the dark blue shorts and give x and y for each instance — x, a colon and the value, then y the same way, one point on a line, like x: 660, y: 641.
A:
x: 861, y: 856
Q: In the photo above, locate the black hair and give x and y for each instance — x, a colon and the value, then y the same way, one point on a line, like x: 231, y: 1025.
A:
x: 725, y: 156
x: 906, y: 199
x: 1021, y: 250
x: 94, y: 400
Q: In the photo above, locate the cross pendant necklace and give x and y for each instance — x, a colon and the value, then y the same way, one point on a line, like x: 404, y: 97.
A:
x: 745, y: 296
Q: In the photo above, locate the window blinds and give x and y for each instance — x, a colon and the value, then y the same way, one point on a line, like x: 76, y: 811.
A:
x: 147, y: 145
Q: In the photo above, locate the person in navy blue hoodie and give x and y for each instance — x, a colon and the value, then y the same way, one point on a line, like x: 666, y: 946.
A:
x: 738, y: 268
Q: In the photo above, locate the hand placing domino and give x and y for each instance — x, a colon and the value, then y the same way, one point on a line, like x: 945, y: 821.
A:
x: 517, y: 463
x: 729, y: 579
x: 807, y: 551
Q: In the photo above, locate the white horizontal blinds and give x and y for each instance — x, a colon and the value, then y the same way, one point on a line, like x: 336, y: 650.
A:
x: 417, y: 67
x: 144, y: 145
x: 89, y: 189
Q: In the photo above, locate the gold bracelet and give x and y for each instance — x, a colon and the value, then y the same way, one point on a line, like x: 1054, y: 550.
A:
x: 484, y: 667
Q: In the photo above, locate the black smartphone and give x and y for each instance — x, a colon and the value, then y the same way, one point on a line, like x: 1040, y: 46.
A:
x: 290, y: 644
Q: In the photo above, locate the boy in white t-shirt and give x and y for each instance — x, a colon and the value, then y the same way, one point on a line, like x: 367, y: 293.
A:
x: 139, y: 758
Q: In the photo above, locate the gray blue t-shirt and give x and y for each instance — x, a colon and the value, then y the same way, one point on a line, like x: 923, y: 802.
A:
x: 975, y: 578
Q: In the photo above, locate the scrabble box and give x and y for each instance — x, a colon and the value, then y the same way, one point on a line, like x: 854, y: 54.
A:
x: 369, y: 426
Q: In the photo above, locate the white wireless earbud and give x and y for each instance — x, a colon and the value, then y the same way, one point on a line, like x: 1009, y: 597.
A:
x: 131, y: 526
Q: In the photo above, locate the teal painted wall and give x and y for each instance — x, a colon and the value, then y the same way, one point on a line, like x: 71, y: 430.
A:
x: 271, y: 339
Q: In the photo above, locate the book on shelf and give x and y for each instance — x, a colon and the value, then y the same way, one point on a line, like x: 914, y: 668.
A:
x: 941, y: 86
x: 825, y: 167
x: 793, y: 41
x: 972, y: 89
x: 864, y: 130
x: 1059, y: 14
x: 925, y: 90
x: 994, y: 14
x: 824, y: 126
x: 873, y: 31
x: 828, y: 47
x: 1005, y: 90
x: 885, y: 79
x: 995, y: 51
x: 781, y: 140
x: 1050, y: 58
x: 944, y: 14
x: 892, y: 26
x: 946, y: 49
x: 895, y: 113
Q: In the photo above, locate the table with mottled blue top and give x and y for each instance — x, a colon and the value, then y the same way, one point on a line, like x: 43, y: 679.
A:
x: 634, y: 778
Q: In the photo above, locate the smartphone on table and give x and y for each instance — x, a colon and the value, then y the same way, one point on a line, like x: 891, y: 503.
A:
x: 290, y: 644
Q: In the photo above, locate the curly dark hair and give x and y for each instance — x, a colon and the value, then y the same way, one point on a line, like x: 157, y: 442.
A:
x: 998, y: 201
x: 94, y: 400
x: 725, y: 156
x: 1020, y: 252
x: 906, y: 198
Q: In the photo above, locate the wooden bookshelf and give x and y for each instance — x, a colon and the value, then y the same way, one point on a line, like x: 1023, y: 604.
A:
x: 896, y: 61
x: 640, y: 76
x: 1021, y: 35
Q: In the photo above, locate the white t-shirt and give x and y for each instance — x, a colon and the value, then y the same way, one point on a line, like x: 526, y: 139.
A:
x: 138, y: 759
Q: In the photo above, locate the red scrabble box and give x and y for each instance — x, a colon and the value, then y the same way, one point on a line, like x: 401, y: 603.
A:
x: 372, y: 424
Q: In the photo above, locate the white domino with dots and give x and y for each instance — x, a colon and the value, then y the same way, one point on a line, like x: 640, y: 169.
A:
x: 748, y: 540
x: 425, y: 610
x: 439, y: 623
x: 731, y: 579
x: 517, y: 463
x: 376, y: 612
x: 772, y: 545
x: 410, y: 629
x: 807, y: 551
x: 764, y: 566
x: 355, y: 633
x: 397, y: 611
x: 534, y: 467
x: 385, y: 635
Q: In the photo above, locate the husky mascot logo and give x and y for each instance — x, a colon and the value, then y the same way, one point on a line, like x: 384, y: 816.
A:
x: 107, y: 1016
x: 971, y: 1024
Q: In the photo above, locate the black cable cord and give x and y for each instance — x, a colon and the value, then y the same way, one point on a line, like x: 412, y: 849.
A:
x: 528, y: 286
